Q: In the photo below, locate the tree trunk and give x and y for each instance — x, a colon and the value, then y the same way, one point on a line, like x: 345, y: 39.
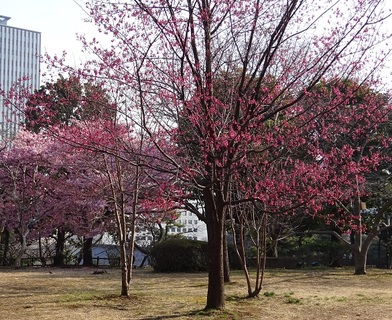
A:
x: 131, y: 256
x: 87, y: 252
x: 2, y: 257
x: 361, y: 247
x: 226, y: 260
x: 215, y: 218
x: 4, y: 244
x: 23, y: 247
x: 124, y: 269
x: 59, y: 255
x: 360, y: 258
x: 41, y: 254
x: 272, y: 250
x: 215, y: 294
x: 359, y: 252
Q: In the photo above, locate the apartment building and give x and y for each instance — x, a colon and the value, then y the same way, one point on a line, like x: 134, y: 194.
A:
x: 20, y: 51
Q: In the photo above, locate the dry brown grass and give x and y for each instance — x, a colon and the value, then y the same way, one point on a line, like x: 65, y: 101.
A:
x: 288, y: 294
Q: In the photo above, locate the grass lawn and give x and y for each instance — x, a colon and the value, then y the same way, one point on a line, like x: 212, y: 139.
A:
x: 49, y: 293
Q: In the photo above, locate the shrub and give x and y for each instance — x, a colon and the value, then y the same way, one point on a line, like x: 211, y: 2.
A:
x: 179, y: 255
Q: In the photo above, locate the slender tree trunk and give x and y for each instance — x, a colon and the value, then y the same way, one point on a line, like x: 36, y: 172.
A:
x: 2, y: 234
x: 133, y: 224
x: 23, y: 247
x: 240, y: 247
x: 120, y: 214
x: 226, y: 260
x: 2, y: 257
x: 5, y: 243
x: 41, y: 254
x: 125, y: 259
x: 131, y: 249
x: 124, y: 269
x: 272, y: 250
x: 261, y: 257
x: 359, y: 251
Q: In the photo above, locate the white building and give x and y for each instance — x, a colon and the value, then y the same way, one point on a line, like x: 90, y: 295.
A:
x: 187, y: 225
x: 20, y: 51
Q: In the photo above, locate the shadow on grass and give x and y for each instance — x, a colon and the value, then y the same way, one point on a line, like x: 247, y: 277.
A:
x: 199, y: 314
x: 166, y: 317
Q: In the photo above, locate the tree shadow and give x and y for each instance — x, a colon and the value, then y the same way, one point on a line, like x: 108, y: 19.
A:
x: 166, y: 317
x: 195, y: 313
x: 174, y: 316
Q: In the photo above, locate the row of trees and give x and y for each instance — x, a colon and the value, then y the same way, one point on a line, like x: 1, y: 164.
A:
x: 54, y: 188
x: 257, y: 109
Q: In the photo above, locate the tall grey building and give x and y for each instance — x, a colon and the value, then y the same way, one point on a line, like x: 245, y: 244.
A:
x: 19, y: 58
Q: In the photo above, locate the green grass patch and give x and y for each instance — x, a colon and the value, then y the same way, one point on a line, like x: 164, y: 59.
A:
x: 288, y: 294
x: 293, y: 300
x: 269, y: 293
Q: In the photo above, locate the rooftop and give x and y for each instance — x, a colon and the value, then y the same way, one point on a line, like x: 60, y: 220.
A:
x: 3, y: 20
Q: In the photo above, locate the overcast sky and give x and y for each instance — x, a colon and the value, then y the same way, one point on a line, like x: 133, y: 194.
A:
x: 57, y: 20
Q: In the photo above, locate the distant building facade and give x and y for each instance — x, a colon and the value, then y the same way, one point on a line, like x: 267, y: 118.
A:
x: 20, y: 51
x: 187, y: 225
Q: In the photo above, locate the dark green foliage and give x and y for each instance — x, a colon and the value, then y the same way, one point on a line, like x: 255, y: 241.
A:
x: 65, y: 100
x: 234, y: 260
x: 313, y: 249
x: 179, y: 255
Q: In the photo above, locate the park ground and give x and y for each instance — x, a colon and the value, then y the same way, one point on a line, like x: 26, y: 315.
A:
x: 51, y: 293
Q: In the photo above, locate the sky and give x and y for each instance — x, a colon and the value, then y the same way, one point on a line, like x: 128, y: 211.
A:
x: 60, y: 20
x: 57, y: 20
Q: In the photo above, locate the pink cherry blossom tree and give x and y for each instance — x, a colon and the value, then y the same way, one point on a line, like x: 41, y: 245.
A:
x: 80, y: 198
x: 26, y: 197
x: 57, y: 104
x: 326, y: 164
x: 100, y: 148
x: 353, y: 140
x: 131, y: 191
x: 165, y: 62
x: 45, y: 188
